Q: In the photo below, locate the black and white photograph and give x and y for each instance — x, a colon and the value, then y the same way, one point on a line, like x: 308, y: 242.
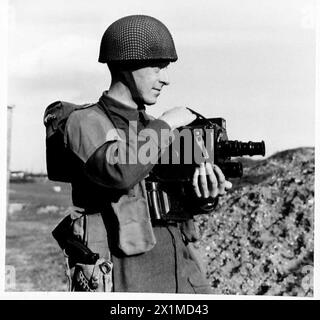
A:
x: 161, y: 148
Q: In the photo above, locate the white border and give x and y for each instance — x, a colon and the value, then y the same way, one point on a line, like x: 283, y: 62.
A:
x: 3, y: 135
x: 134, y: 296
x: 317, y: 157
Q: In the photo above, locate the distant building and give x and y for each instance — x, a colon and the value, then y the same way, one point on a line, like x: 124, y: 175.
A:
x: 20, y: 176
x: 17, y: 175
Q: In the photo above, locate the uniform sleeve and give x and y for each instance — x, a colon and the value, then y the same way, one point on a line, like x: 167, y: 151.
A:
x: 104, y: 150
x: 107, y: 167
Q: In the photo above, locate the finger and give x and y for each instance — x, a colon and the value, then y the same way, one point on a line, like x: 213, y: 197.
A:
x: 228, y: 185
x: 221, y: 179
x: 203, y: 181
x: 195, y: 183
x: 220, y: 176
x: 212, y: 183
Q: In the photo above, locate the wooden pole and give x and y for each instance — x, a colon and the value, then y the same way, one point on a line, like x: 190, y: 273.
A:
x: 9, y: 134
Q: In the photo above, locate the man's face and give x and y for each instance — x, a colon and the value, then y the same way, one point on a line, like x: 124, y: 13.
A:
x: 150, y: 80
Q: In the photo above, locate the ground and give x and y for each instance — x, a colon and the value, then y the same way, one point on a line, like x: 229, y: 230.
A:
x: 259, y: 240
x: 30, y: 247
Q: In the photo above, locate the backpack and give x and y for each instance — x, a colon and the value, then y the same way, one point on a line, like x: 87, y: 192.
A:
x: 58, y: 156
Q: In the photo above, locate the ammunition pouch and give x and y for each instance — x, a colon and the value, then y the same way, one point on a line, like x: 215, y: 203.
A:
x: 135, y: 234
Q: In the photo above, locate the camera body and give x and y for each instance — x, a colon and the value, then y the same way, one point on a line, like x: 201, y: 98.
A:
x: 169, y: 185
x: 204, y: 140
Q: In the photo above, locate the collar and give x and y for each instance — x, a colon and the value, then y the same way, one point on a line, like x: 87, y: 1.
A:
x: 123, y: 111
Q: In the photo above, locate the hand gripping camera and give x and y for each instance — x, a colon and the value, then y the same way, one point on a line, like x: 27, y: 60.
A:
x: 204, y: 140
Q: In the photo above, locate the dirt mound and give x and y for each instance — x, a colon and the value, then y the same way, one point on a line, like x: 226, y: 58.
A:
x: 259, y: 240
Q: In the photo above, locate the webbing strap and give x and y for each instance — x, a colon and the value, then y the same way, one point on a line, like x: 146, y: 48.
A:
x: 96, y: 235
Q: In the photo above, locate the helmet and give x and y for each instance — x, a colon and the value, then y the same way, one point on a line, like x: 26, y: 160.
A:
x: 137, y: 38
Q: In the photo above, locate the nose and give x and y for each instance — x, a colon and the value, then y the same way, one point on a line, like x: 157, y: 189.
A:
x: 164, y: 77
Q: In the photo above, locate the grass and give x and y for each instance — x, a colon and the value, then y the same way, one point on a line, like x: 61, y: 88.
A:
x: 30, y: 247
x: 40, y: 193
x: 35, y: 255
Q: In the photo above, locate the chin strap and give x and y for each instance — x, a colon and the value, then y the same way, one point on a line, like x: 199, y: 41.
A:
x: 129, y: 81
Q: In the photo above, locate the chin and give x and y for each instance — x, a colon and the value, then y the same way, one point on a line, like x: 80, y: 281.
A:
x: 150, y: 102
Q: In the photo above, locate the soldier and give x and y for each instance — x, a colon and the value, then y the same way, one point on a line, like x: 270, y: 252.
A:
x: 147, y: 255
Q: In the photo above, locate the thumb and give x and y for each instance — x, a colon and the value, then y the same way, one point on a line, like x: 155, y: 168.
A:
x: 227, y: 185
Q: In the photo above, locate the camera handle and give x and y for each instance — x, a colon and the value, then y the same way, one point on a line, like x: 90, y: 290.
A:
x: 206, y: 205
x: 199, y: 116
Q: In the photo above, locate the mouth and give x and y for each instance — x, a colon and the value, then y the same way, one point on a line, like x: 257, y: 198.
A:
x: 157, y: 91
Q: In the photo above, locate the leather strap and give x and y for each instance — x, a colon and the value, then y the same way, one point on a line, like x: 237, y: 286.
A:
x: 96, y: 236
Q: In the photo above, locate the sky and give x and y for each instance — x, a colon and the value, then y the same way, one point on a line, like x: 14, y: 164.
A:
x: 250, y: 62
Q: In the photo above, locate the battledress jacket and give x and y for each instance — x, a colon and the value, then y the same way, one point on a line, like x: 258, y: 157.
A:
x: 117, y: 190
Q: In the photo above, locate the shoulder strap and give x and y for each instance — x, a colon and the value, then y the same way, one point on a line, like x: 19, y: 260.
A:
x: 105, y: 110
x: 57, y: 113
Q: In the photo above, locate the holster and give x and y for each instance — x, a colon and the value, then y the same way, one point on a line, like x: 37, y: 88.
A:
x: 83, y: 239
x: 93, y: 277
